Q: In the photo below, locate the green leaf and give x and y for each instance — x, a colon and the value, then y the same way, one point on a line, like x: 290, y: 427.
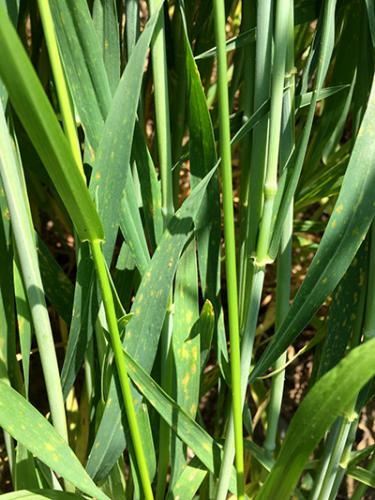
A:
x: 29, y: 427
x: 18, y: 203
x: 362, y: 475
x: 7, y: 312
x: 205, y: 329
x: 132, y: 228
x: 236, y: 42
x: 84, y: 66
x: 111, y: 166
x: 25, y: 470
x: 106, y: 24
x: 344, y: 312
x: 143, y: 332
x: 150, y: 187
x: 39, y: 120
x: 40, y: 495
x: 58, y: 287
x: 329, y: 398
x: 24, y: 323
x: 185, y: 349
x: 347, y: 227
x: 85, y: 311
x: 189, y: 481
x: 259, y: 454
x: 203, y: 445
x: 304, y: 100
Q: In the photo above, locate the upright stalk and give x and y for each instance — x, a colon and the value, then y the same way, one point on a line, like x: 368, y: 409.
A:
x: 70, y: 130
x: 284, y: 262
x: 23, y: 232
x: 121, y: 366
x: 229, y: 236
x: 163, y: 131
x: 248, y: 21
x: 253, y: 184
x: 163, y: 134
x: 60, y: 82
x: 277, y: 89
x: 284, y: 266
x: 251, y: 301
x: 246, y: 351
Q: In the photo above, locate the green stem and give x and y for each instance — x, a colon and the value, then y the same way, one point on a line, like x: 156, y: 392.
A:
x: 19, y: 209
x: 284, y: 263
x: 60, y: 82
x: 344, y: 459
x: 284, y: 267
x: 246, y: 351
x: 247, y: 103
x: 335, y: 457
x: 121, y: 366
x: 163, y: 132
x: 258, y: 160
x: 277, y: 89
x: 229, y: 236
x: 166, y: 383
x: 327, y: 19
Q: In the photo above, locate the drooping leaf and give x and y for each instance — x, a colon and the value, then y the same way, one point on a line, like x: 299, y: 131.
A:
x: 347, y: 227
x: 29, y: 427
x: 84, y: 66
x: 39, y: 120
x: 112, y: 160
x: 143, y: 332
x: 330, y: 397
x: 40, y: 495
x: 203, y: 445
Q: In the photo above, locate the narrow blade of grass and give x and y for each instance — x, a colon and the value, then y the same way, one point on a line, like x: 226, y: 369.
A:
x: 345, y: 232
x: 36, y: 114
x: 330, y: 397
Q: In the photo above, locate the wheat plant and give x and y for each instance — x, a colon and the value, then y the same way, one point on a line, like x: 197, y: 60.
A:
x: 187, y: 191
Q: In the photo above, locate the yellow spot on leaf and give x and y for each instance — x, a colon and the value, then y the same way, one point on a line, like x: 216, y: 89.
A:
x: 188, y: 316
x: 185, y: 380
x: 194, y: 353
x: 340, y: 208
